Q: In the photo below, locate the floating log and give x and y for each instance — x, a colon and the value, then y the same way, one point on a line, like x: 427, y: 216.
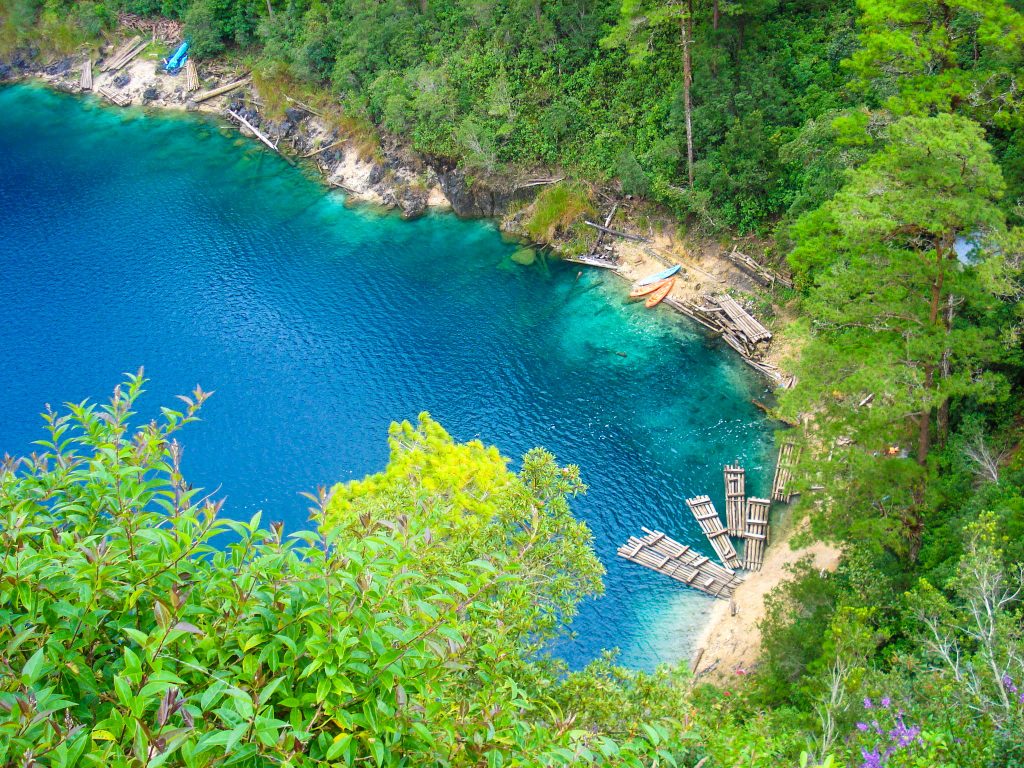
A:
x: 86, y: 82
x: 256, y: 131
x: 756, y: 533
x: 682, y: 563
x: 191, y: 76
x: 615, y: 232
x: 221, y: 90
x: 735, y: 495
x: 789, y: 454
x: 707, y: 517
x: 120, y: 53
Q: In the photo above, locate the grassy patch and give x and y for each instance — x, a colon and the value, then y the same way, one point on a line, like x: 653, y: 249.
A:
x: 556, y: 210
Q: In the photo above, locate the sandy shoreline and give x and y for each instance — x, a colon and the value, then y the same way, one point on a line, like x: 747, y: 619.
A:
x: 731, y: 641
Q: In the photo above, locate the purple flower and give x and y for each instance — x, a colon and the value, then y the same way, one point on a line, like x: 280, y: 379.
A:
x: 862, y: 727
x: 867, y: 703
x: 1008, y: 684
x: 871, y: 759
x: 886, y: 702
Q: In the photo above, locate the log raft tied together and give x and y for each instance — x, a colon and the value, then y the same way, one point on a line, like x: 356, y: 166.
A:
x: 711, y: 524
x: 789, y: 455
x: 680, y: 562
x: 735, y: 494
x: 756, y: 533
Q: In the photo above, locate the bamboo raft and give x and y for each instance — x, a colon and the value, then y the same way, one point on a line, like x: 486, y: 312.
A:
x: 707, y: 517
x: 789, y: 454
x: 221, y: 90
x: 116, y: 98
x: 735, y: 494
x: 191, y: 76
x: 677, y: 561
x: 86, y: 82
x: 125, y: 54
x: 756, y: 533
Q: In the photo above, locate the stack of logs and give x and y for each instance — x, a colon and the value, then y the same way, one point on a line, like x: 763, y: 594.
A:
x: 114, y: 97
x: 191, y: 76
x: 722, y: 314
x: 124, y: 54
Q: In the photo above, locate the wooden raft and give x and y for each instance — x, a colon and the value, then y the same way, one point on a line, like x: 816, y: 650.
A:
x: 746, y: 324
x: 86, y: 82
x: 707, y: 517
x: 789, y: 454
x: 677, y: 561
x: 735, y: 493
x: 756, y: 533
x: 117, y: 98
x: 191, y: 76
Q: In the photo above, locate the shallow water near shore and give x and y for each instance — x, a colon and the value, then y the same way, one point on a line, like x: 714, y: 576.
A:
x: 129, y: 239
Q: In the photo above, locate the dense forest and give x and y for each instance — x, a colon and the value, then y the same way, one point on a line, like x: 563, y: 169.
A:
x: 880, y: 147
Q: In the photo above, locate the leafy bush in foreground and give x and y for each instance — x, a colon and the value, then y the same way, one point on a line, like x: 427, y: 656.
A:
x: 131, y: 635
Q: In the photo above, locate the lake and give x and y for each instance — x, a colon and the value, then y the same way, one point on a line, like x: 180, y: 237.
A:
x: 132, y: 239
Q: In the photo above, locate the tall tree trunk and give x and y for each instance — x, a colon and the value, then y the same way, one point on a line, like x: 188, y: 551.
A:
x: 714, y: 17
x: 924, y: 424
x: 942, y: 420
x: 685, y: 27
x: 270, y: 9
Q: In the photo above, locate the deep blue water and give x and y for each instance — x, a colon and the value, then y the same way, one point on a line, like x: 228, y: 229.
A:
x: 129, y: 239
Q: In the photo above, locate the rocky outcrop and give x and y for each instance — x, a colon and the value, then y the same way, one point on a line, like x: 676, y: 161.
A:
x: 474, y: 197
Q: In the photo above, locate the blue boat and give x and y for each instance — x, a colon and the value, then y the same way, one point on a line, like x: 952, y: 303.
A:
x: 665, y: 273
x: 177, y: 61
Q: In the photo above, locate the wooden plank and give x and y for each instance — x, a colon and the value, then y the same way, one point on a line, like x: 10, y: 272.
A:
x: 788, y: 457
x: 191, y: 76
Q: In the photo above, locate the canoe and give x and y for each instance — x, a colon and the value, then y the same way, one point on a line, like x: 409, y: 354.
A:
x: 657, y: 277
x: 643, y: 290
x: 655, y: 298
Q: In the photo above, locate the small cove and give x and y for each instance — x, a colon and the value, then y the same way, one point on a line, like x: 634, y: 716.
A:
x: 132, y: 239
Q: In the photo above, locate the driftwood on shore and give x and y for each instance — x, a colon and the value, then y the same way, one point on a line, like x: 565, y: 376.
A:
x: 332, y: 145
x: 256, y: 131
x: 221, y: 90
x: 617, y: 233
x: 759, y: 272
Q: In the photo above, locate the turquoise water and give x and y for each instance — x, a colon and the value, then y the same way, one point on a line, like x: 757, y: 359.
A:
x: 130, y: 239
